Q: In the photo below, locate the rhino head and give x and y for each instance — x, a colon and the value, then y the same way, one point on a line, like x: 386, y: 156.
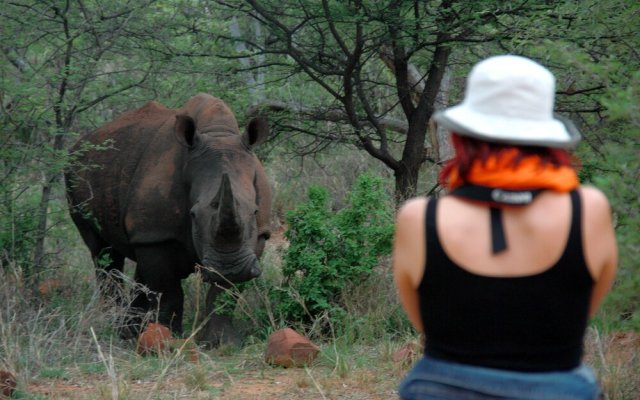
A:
x: 224, y: 180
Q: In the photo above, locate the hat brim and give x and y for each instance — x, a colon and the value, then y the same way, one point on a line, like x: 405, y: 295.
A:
x: 557, y: 132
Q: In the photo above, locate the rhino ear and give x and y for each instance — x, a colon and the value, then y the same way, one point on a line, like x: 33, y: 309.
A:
x: 185, y: 130
x: 256, y: 132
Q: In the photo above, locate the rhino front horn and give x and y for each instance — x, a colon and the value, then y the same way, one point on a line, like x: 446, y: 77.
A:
x: 227, y: 234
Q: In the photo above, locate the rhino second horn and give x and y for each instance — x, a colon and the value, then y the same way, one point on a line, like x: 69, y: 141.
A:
x: 227, y: 234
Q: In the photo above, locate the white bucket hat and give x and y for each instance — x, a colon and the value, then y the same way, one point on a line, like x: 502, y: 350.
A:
x: 509, y: 99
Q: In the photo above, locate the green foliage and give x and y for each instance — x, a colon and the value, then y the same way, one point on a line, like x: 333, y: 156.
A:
x: 610, y: 152
x: 590, y: 49
x: 329, y: 251
x: 328, y: 270
x: 18, y: 224
x: 617, y: 173
x: 68, y: 69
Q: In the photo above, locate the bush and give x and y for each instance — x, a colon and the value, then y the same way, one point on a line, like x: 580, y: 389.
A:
x: 18, y: 224
x: 330, y: 251
x: 332, y: 277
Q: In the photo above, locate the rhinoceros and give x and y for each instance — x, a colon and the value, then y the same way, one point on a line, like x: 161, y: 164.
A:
x: 172, y: 189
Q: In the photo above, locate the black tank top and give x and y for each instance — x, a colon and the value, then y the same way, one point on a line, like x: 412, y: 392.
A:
x: 530, y: 323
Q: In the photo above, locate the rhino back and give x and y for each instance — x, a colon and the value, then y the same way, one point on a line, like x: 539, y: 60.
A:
x: 131, y: 146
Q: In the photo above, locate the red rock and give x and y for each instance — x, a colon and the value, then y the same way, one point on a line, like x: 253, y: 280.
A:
x: 623, y: 346
x: 288, y: 348
x: 189, y: 349
x: 49, y: 287
x: 628, y: 339
x: 408, y: 353
x: 155, y: 339
x: 7, y: 384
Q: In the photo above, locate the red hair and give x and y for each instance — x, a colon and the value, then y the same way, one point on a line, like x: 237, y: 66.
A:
x: 469, y: 150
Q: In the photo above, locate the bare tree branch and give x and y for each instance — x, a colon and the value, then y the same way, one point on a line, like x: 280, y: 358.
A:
x: 329, y: 115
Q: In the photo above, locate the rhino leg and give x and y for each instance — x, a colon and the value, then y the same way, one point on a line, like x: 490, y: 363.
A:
x: 131, y: 324
x: 109, y: 265
x: 218, y: 329
x: 157, y: 269
x: 107, y: 261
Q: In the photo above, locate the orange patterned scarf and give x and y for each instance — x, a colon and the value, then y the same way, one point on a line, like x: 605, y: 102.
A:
x: 528, y: 174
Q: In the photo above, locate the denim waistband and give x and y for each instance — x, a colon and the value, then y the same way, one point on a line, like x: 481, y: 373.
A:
x: 435, y: 379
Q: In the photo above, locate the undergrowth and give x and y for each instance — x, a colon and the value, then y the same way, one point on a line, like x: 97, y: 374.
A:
x: 334, y: 261
x: 70, y: 333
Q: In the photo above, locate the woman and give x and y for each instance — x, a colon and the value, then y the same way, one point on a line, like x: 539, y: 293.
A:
x: 502, y: 274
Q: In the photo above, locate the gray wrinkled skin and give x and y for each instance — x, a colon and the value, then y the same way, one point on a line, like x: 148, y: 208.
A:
x: 174, y: 189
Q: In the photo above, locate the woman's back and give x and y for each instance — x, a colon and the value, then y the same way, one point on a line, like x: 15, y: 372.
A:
x: 536, y: 234
x: 480, y: 314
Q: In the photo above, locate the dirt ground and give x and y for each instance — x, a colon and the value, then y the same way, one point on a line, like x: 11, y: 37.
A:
x: 283, y: 385
x: 260, y: 382
x: 364, y: 374
x: 367, y: 373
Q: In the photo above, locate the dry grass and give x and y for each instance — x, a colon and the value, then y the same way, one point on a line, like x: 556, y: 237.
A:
x: 616, y: 359
x: 65, y: 347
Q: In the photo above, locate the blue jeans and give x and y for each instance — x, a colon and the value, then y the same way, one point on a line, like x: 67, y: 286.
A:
x: 435, y: 379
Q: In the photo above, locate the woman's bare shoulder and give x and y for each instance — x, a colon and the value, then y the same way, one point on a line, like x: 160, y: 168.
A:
x: 592, y: 193
x: 410, y: 224
x: 412, y: 209
x: 600, y: 248
x: 595, y: 201
x: 409, y: 253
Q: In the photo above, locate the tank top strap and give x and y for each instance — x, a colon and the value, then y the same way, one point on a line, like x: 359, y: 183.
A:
x: 574, y: 248
x: 434, y: 249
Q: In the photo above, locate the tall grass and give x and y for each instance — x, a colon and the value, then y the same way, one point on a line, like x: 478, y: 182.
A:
x: 36, y: 336
x: 71, y: 336
x: 615, y: 356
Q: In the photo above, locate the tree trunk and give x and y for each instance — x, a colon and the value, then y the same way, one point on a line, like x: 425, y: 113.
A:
x: 442, y: 142
x: 50, y: 177
x: 406, y: 178
x: 43, y: 211
x: 414, y: 152
x: 254, y: 77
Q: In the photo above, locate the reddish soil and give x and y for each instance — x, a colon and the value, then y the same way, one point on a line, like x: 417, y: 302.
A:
x: 260, y: 384
x: 367, y: 375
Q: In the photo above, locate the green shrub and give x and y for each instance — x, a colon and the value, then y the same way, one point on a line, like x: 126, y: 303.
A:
x: 321, y: 280
x: 617, y: 176
x: 18, y: 224
x: 330, y: 251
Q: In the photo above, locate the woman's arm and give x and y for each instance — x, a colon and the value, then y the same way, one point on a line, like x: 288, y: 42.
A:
x: 599, y: 243
x: 409, y: 257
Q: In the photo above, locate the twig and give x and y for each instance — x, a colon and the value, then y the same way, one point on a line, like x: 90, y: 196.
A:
x: 115, y: 395
x: 315, y: 383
